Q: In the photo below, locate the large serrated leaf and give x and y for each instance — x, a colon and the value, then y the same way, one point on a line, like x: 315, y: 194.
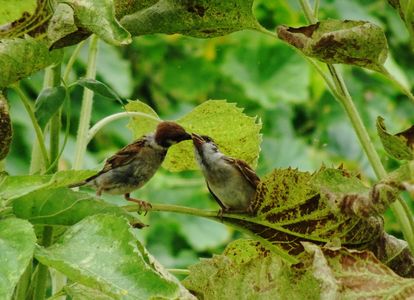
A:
x: 236, y: 134
x: 61, y: 206
x: 20, y: 57
x: 12, y: 187
x: 102, y: 253
x: 400, y: 145
x: 17, y: 243
x: 198, y: 18
x: 98, y: 16
x: 247, y: 270
x: 359, y: 43
x: 293, y: 206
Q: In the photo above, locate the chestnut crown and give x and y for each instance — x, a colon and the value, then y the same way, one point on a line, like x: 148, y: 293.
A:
x: 170, y: 133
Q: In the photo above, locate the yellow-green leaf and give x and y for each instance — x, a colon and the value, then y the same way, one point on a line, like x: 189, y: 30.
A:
x: 236, y: 134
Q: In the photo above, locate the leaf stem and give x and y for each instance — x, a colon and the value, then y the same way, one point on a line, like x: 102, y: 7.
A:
x: 99, y: 125
x: 86, y: 109
x: 71, y: 61
x: 23, y: 285
x: 179, y: 271
x: 54, y: 125
x: 225, y: 218
x: 39, y: 134
x: 42, y: 274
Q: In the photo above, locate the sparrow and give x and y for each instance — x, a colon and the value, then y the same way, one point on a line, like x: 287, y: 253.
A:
x: 232, y: 182
x: 134, y: 165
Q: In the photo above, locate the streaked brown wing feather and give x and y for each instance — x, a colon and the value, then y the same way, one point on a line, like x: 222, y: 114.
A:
x: 121, y: 158
x: 246, y: 171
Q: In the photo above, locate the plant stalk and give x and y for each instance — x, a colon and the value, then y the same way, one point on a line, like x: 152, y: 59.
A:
x: 71, y: 61
x: 99, y: 125
x: 42, y: 272
x: 54, y: 126
x: 38, y: 131
x: 86, y: 109
x: 54, y: 130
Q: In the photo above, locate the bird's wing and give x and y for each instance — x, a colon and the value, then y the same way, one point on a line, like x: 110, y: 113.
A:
x: 215, y: 197
x: 121, y: 158
x: 246, y: 171
x: 124, y: 156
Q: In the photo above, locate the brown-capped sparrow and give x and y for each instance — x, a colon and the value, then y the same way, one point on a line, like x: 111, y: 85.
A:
x: 231, y: 181
x: 134, y: 165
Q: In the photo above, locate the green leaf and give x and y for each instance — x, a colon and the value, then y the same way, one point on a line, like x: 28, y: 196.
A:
x: 21, y: 57
x: 248, y: 270
x: 6, y: 131
x: 235, y: 133
x: 99, y: 88
x: 61, y: 206
x: 400, y: 145
x: 17, y: 243
x: 199, y: 18
x: 102, y: 253
x: 48, y: 103
x: 357, y: 43
x: 12, y: 187
x: 98, y: 16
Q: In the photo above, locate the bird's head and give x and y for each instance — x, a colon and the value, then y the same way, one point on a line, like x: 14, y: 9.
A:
x: 205, y: 147
x: 170, y: 133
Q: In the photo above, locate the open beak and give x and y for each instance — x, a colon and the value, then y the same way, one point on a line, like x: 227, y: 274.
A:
x: 198, y: 141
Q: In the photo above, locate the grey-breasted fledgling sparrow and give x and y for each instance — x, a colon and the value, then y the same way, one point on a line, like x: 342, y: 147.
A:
x: 231, y: 181
x: 134, y: 165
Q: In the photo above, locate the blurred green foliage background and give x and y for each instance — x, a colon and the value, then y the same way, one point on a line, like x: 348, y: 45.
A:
x: 303, y: 126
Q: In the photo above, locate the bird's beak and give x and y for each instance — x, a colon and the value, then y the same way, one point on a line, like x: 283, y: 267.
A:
x: 198, y: 141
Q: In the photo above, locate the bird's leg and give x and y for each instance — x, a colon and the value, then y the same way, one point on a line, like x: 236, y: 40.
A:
x: 144, y: 205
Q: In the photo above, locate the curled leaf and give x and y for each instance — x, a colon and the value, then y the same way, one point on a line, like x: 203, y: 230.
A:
x: 400, y: 145
x: 352, y: 274
x: 198, y: 18
x: 6, y: 131
x: 359, y: 43
x: 98, y: 16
